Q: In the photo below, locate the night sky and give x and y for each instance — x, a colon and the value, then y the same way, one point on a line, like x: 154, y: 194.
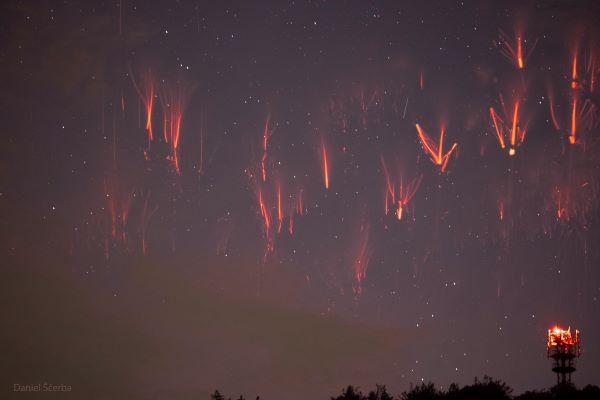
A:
x: 251, y: 196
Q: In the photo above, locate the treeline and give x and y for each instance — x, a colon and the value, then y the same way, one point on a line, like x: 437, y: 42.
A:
x: 486, y: 389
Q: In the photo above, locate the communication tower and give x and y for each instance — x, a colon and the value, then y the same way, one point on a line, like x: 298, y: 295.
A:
x: 563, y: 349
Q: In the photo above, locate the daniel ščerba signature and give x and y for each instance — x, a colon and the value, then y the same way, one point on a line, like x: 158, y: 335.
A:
x: 41, y: 387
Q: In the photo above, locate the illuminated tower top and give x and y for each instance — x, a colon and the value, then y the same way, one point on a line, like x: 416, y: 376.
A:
x: 563, y: 348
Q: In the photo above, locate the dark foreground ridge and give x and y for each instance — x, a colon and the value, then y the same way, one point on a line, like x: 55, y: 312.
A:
x: 486, y: 389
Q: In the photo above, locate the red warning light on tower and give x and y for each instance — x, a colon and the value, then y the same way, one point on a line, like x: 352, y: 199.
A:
x: 563, y: 348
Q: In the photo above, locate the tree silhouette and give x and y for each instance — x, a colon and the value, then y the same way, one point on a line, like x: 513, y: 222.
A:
x: 562, y: 392
x: 423, y: 391
x: 380, y: 393
x: 487, y: 389
x: 534, y: 395
x: 590, y: 392
x: 350, y: 393
x: 217, y: 396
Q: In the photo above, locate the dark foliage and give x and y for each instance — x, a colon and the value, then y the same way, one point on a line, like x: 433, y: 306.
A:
x: 485, y: 389
x: 488, y: 389
x: 350, y: 393
x: 422, y: 392
x: 380, y: 393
